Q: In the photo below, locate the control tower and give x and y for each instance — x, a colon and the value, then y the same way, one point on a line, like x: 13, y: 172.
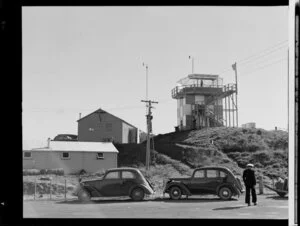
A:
x: 203, y: 101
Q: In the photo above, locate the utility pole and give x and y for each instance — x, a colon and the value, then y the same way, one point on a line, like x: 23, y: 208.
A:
x: 146, y: 65
x: 236, y: 87
x: 149, y: 118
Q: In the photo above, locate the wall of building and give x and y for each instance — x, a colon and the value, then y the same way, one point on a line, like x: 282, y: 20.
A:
x: 77, y: 161
x: 185, y: 107
x: 129, y: 134
x: 92, y: 128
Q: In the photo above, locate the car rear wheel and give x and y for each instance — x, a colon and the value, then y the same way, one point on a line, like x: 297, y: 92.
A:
x: 137, y: 194
x: 225, y: 193
x: 84, y: 196
x: 175, y: 193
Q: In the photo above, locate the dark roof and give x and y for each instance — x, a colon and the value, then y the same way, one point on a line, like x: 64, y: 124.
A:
x: 102, y: 111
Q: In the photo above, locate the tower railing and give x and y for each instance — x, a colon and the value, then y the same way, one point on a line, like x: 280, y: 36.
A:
x: 180, y: 89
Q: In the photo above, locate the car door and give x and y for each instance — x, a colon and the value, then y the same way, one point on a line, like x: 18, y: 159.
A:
x: 110, y: 185
x: 198, y: 182
x: 213, y: 180
x: 128, y: 180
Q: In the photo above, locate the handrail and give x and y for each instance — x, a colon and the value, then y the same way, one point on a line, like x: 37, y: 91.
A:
x: 178, y: 89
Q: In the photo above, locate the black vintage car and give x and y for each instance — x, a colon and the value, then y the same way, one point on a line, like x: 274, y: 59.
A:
x: 205, y: 180
x: 123, y: 181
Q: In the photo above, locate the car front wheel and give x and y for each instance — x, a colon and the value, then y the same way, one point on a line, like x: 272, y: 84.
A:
x: 225, y: 193
x: 137, y: 194
x: 175, y: 193
x: 84, y: 196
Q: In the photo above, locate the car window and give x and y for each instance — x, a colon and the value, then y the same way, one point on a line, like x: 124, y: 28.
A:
x: 222, y: 174
x: 199, y: 174
x: 127, y: 175
x: 211, y: 173
x: 112, y: 175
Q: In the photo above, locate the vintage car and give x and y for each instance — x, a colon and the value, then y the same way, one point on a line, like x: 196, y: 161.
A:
x: 205, y: 180
x: 123, y: 181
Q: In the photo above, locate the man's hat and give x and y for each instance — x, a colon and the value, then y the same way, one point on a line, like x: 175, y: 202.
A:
x: 250, y: 165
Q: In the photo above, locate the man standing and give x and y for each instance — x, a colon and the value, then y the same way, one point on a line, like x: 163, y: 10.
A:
x: 250, y: 182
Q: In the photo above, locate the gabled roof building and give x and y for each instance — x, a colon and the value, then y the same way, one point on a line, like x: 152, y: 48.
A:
x: 101, y: 126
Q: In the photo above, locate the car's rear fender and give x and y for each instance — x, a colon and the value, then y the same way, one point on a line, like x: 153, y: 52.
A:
x: 233, y: 189
x: 183, y: 187
x: 91, y: 190
x: 147, y: 190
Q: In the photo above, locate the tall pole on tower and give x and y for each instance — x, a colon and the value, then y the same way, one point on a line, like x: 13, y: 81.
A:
x: 192, y: 58
x: 236, y: 93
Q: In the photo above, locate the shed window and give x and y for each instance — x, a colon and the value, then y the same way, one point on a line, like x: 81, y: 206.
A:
x: 65, y: 155
x: 100, y: 155
x: 27, y: 154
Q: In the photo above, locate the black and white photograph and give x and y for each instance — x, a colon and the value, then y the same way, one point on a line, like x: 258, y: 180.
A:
x: 174, y: 112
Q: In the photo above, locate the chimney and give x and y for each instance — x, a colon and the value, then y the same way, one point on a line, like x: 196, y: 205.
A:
x: 79, y: 115
x: 48, y: 142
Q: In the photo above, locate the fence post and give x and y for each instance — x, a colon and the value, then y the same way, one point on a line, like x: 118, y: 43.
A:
x: 261, y: 186
x: 34, y: 188
x: 65, y: 189
x: 50, y: 187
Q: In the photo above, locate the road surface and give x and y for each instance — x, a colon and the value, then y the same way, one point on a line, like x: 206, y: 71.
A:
x: 269, y: 207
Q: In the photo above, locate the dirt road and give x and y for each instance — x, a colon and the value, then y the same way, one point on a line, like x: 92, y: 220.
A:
x: 269, y: 207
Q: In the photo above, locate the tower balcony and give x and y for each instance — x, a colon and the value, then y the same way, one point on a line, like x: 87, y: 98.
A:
x: 195, y: 89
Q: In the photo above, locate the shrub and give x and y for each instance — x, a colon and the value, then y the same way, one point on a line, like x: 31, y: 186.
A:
x: 58, y: 171
x: 27, y: 172
x: 43, y: 171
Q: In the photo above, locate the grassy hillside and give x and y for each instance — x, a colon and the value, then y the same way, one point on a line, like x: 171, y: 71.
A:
x: 230, y: 147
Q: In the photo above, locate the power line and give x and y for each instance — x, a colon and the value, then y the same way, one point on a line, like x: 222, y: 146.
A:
x: 267, y: 49
x: 267, y: 65
x: 266, y: 54
x: 260, y: 63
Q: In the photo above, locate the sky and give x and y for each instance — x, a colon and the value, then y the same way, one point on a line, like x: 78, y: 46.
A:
x: 79, y: 59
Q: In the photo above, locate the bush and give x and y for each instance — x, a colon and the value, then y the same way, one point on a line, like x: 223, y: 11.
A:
x: 225, y: 160
x: 27, y: 172
x: 43, y: 171
x: 58, y: 171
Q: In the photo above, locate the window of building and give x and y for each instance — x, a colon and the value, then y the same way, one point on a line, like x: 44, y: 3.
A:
x: 199, y: 174
x: 211, y: 173
x: 112, y: 175
x: 108, y: 127
x: 65, y: 155
x: 27, y: 154
x: 100, y: 155
x: 127, y: 175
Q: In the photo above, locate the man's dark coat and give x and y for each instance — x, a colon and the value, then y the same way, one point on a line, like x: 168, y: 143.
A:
x: 249, y: 177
